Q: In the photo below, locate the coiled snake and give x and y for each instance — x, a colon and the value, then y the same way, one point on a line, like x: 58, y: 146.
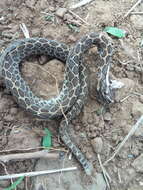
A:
x: 74, y: 90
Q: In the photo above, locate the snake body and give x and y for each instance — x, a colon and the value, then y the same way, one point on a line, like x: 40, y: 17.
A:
x: 74, y: 90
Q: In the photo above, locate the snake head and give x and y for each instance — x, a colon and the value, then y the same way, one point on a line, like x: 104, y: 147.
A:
x: 108, y: 95
x: 105, y: 92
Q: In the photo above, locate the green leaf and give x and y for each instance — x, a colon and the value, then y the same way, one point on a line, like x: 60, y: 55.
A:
x: 100, y: 111
x: 49, y: 17
x: 14, y: 185
x: 47, y: 140
x: 73, y: 27
x: 115, y: 32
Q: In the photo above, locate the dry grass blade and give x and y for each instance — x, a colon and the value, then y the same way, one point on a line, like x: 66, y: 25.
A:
x: 37, y: 173
x: 22, y: 156
x: 131, y: 132
x: 105, y: 174
x: 133, y: 7
x: 136, y: 13
x: 24, y: 30
x: 81, y: 3
x: 78, y: 17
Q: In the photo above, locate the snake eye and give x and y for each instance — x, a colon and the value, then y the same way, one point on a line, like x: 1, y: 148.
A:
x: 105, y: 93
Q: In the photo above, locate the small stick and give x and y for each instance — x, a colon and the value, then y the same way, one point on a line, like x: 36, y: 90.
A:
x: 133, y: 7
x: 23, y: 156
x: 24, y: 30
x: 136, y: 13
x: 119, y: 177
x: 81, y: 3
x: 122, y: 100
x: 131, y: 132
x: 105, y: 174
x: 78, y: 17
x: 31, y: 174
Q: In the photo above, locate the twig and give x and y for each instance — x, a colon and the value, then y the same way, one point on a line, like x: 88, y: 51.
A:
x: 31, y: 174
x: 30, y: 155
x: 131, y: 132
x: 24, y: 30
x: 133, y: 7
x: 25, y: 149
x: 137, y: 94
x: 123, y: 99
x: 78, y: 17
x: 136, y: 13
x: 131, y: 94
x: 81, y: 3
x: 105, y: 174
x: 119, y: 177
x: 34, y: 148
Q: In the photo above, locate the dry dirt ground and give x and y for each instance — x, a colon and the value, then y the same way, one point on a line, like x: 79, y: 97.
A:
x: 97, y: 130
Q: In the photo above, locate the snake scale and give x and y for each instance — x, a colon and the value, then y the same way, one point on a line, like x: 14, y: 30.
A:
x: 74, y: 91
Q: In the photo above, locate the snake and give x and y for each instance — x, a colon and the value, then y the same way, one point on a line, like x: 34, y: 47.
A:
x: 73, y: 94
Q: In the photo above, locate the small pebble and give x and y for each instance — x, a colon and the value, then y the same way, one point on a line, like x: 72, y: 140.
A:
x: 137, y: 21
x: 71, y: 39
x: 50, y: 8
x: 88, y: 155
x: 141, y: 99
x: 115, y: 137
x: 94, y: 134
x: 97, y: 144
x: 92, y: 128
x: 107, y: 116
x: 101, y: 124
x: 13, y: 111
x: 35, y: 32
x: 61, y: 12
x: 68, y: 17
x: 8, y: 117
x: 43, y: 59
x: 77, y: 127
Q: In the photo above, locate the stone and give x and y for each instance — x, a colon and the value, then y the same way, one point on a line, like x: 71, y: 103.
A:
x: 137, y: 108
x: 43, y: 4
x: 107, y: 116
x: 30, y: 3
x: 137, y: 21
x: 97, y: 144
x: 77, y: 127
x: 35, y: 32
x: 88, y: 155
x: 141, y: 99
x: 71, y: 39
x: 43, y: 59
x: 138, y: 163
x: 9, y: 117
x: 13, y: 111
x: 61, y: 12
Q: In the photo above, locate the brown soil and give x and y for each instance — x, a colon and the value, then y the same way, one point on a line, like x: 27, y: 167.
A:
x: 97, y: 130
